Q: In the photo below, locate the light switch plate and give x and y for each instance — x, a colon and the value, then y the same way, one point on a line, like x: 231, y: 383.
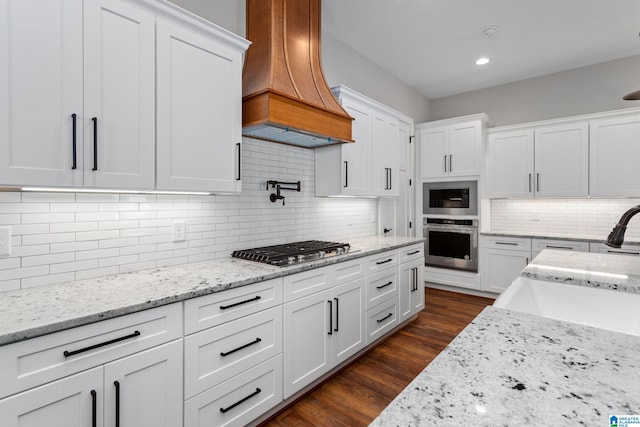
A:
x: 5, y: 241
x: 179, y: 232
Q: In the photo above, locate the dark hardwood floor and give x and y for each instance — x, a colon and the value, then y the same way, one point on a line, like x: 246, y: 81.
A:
x: 355, y: 396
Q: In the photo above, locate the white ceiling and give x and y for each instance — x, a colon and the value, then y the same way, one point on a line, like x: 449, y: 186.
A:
x: 432, y: 45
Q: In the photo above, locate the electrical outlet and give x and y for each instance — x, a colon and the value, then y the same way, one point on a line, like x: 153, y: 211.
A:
x: 179, y: 232
x: 5, y: 241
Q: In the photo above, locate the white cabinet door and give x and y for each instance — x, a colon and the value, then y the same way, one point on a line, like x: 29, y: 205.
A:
x: 348, y: 335
x: 198, y: 111
x: 433, y: 156
x: 40, y: 90
x: 119, y: 93
x: 145, y: 389
x: 464, y: 149
x: 384, y: 163
x: 501, y: 267
x: 405, y: 162
x: 510, y: 164
x: 562, y: 161
x: 411, y: 288
x: 614, y: 154
x: 306, y: 340
x: 75, y: 401
x: 356, y: 178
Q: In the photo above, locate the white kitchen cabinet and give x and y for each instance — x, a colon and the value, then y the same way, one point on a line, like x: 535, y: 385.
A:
x: 199, y: 108
x: 450, y: 148
x: 538, y: 245
x: 93, y: 122
x: 538, y: 161
x: 381, y: 319
x: 411, y: 295
x: 503, y: 259
x: 614, y: 154
x: 626, y: 249
x: 369, y: 166
x: 348, y: 336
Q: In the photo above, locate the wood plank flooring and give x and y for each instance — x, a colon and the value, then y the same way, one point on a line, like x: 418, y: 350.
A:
x: 355, y: 396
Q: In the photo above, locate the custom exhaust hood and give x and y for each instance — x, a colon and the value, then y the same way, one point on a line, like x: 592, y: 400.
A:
x: 285, y: 97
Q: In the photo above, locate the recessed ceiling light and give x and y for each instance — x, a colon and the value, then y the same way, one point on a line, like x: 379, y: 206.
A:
x: 482, y: 61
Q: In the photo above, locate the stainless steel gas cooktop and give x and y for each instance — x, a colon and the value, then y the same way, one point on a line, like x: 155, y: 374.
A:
x: 293, y: 253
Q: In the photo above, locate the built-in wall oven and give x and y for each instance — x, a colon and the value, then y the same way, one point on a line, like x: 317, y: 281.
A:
x: 451, y: 243
x: 450, y: 198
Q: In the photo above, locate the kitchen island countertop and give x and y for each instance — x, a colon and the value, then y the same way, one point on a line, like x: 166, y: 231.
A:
x: 38, y: 311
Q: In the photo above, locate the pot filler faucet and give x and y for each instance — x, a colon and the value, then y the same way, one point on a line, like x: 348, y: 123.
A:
x: 616, y: 237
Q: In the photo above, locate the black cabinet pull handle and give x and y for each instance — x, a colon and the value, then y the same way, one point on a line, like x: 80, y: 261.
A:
x: 102, y: 344
x: 239, y: 162
x: 413, y: 279
x: 73, y: 132
x: 623, y: 252
x: 507, y: 243
x: 95, y: 143
x: 384, y: 286
x: 330, y: 318
x: 117, y: 385
x: 445, y: 162
x: 384, y: 318
x: 390, y: 183
x: 224, y: 307
x: 559, y: 247
x: 244, y: 399
x: 414, y: 252
x: 346, y: 174
x: 385, y: 261
x: 337, y: 319
x: 256, y: 341
x: 94, y: 402
x: 450, y: 163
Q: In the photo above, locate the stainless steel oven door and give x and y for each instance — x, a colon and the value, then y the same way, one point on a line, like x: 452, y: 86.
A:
x: 451, y: 246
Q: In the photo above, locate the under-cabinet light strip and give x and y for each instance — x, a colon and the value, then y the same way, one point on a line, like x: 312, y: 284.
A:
x: 87, y: 190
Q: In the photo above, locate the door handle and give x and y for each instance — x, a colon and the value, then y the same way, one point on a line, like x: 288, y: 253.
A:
x: 337, y: 314
x: 450, y: 163
x: 117, y: 385
x: 538, y: 182
x: 346, y: 174
x: 529, y: 183
x: 330, y: 318
x: 445, y: 163
x: 74, y: 142
x: 95, y: 143
x: 239, y: 178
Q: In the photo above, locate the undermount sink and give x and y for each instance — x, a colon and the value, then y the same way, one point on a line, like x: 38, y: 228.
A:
x: 600, y: 308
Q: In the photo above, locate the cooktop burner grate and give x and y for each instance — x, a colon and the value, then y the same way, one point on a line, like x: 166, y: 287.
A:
x: 293, y: 253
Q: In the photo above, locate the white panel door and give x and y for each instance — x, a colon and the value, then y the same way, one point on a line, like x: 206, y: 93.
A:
x: 614, y: 154
x: 432, y: 149
x: 199, y: 111
x: 510, y: 164
x: 562, y: 161
x: 75, y: 401
x: 411, y: 288
x: 348, y: 335
x: 306, y: 340
x: 356, y: 157
x: 501, y: 267
x: 463, y: 155
x: 145, y: 389
x: 40, y: 90
x: 119, y: 121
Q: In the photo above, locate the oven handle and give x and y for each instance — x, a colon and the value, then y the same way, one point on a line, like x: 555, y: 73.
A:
x: 462, y: 229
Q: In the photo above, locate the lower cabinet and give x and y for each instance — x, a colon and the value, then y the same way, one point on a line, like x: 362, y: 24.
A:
x: 411, y: 296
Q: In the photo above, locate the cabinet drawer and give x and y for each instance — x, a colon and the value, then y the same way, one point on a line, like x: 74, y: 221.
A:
x: 537, y: 245
x: 219, y: 353
x: 381, y: 286
x: 509, y: 243
x: 308, y: 282
x: 239, y: 400
x: 350, y: 270
x: 382, y: 261
x: 412, y: 252
x: 32, y: 362
x: 624, y: 250
x: 381, y: 320
x: 211, y: 310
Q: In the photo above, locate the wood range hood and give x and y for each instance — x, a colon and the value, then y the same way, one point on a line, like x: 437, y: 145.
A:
x: 285, y: 97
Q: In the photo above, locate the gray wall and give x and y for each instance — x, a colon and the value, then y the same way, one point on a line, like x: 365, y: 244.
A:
x: 341, y: 64
x: 591, y: 89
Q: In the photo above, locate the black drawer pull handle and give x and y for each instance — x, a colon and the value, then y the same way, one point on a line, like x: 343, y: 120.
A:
x: 224, y: 307
x: 74, y: 138
x: 102, y: 344
x: 558, y: 247
x: 117, y: 385
x: 384, y: 262
x: 256, y: 341
x: 239, y: 178
x: 414, y: 252
x: 384, y: 318
x: 384, y: 286
x: 94, y: 402
x: 507, y: 243
x: 95, y: 143
x: 623, y: 252
x: 244, y: 399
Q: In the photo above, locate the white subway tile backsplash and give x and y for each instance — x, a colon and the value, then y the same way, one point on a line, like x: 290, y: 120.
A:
x: 9, y: 285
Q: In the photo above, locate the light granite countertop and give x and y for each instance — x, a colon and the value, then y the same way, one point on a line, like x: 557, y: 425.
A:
x: 605, y: 271
x: 38, y: 311
x: 557, y: 236
x: 509, y: 368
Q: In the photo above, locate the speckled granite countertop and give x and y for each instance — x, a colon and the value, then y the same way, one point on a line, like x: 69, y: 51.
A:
x: 554, y: 236
x: 510, y: 368
x: 33, y: 312
x: 606, y: 271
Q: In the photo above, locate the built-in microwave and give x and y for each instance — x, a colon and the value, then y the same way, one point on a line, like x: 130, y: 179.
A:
x: 450, y: 198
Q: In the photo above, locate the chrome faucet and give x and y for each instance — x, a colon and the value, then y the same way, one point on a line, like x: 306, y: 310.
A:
x: 616, y: 237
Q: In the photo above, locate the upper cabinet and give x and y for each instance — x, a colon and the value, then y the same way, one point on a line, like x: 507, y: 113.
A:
x: 450, y: 148
x: 544, y: 161
x: 78, y: 96
x: 369, y: 166
x: 614, y: 156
